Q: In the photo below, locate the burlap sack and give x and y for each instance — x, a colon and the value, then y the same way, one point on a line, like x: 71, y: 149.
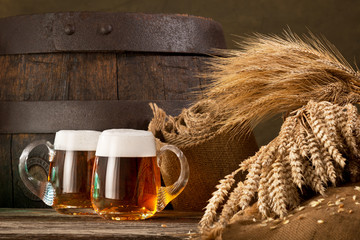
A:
x: 333, y: 217
x: 211, y: 154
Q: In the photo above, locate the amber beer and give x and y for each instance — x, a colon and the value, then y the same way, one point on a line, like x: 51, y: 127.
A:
x: 71, y: 170
x: 126, y: 178
x: 129, y: 190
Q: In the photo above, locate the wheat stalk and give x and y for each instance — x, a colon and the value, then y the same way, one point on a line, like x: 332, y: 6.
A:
x: 305, y: 153
x: 217, y: 198
x: 268, y: 75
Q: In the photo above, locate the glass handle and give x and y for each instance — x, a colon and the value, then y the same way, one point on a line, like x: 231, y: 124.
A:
x: 44, y: 190
x: 166, y: 194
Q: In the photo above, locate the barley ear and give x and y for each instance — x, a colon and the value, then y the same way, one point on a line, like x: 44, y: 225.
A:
x: 218, y: 197
x: 232, y: 205
x: 277, y: 189
x: 251, y: 184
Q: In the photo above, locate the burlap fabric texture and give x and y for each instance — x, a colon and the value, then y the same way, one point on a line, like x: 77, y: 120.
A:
x: 331, y: 217
x: 211, y: 153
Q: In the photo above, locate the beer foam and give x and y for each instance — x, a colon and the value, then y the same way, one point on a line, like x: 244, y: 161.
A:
x: 126, y: 143
x: 76, y: 140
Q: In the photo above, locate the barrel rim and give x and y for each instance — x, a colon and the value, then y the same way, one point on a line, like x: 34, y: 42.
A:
x: 109, y: 32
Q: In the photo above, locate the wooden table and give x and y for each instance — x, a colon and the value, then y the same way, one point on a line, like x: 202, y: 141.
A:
x: 48, y: 224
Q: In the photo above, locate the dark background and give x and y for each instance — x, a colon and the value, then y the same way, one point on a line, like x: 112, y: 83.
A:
x: 337, y: 20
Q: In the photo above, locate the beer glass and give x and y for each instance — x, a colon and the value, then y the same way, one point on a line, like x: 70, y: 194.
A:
x: 69, y: 181
x: 126, y: 181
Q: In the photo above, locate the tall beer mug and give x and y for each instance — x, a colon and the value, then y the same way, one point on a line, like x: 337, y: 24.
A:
x: 126, y: 181
x: 69, y: 181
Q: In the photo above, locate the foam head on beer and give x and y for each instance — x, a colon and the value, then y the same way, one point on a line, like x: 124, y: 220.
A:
x: 126, y: 143
x: 76, y: 140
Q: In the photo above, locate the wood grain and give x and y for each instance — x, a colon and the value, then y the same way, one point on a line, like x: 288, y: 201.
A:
x: 91, y: 76
x: 41, y: 77
x: 11, y: 83
x: 151, y: 76
x: 58, y: 76
x: 6, y: 189
x: 47, y: 224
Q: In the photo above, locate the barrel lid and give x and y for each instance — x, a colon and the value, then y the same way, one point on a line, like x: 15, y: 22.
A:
x: 100, y: 31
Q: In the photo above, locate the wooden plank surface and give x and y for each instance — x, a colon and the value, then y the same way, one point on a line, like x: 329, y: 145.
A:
x: 60, y: 76
x: 48, y: 224
x: 91, y: 76
x: 6, y: 189
x: 149, y: 76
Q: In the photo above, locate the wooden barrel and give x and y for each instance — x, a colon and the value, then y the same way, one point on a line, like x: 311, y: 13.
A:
x: 85, y: 70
